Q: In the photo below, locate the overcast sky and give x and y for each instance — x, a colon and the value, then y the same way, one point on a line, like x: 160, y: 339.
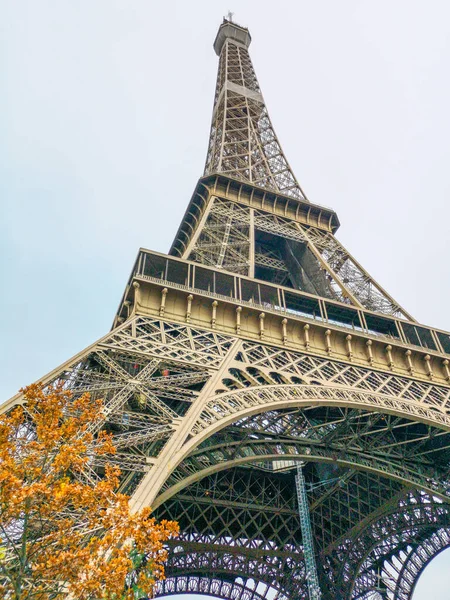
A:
x: 105, y: 109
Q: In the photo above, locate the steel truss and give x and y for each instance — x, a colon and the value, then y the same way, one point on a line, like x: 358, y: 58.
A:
x: 243, y: 146
x: 210, y: 419
x: 242, y: 141
x: 216, y: 587
x: 255, y: 406
x: 329, y: 270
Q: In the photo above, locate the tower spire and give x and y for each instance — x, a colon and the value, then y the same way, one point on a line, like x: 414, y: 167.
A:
x: 243, y: 143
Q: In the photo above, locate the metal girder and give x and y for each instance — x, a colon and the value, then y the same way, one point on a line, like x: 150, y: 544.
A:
x: 312, y: 579
x: 242, y: 141
x: 412, y: 565
x: 392, y: 550
x: 397, y: 466
x: 222, y: 535
x: 213, y: 586
x: 210, y: 410
x: 226, y: 240
x: 370, y: 437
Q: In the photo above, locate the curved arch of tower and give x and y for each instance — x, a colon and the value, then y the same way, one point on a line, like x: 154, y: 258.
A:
x: 257, y: 345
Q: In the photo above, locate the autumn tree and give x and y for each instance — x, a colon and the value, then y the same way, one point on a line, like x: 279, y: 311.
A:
x: 63, y: 534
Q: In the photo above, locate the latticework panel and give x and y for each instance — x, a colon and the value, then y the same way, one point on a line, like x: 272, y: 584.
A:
x: 223, y: 421
x: 390, y: 551
x: 312, y: 369
x: 243, y: 523
x: 239, y: 524
x: 224, y: 240
x: 349, y: 272
x: 288, y: 253
x: 210, y: 426
x: 410, y: 565
x: 343, y: 278
x: 148, y: 373
x: 242, y: 141
x: 218, y: 587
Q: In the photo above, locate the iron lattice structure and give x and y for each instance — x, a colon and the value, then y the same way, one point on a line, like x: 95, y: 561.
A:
x: 257, y: 343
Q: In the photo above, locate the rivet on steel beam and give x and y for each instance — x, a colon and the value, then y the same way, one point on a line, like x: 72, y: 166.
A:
x: 306, y: 330
x: 348, y: 339
x: 238, y: 319
x: 162, y: 307
x: 262, y: 316
x: 369, y: 351
x: 328, y: 341
x: 189, y: 308
x: 408, y: 354
x: 214, y: 305
x: 284, y: 330
x: 445, y: 364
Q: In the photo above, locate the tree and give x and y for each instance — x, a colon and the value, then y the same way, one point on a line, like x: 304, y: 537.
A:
x: 61, y: 534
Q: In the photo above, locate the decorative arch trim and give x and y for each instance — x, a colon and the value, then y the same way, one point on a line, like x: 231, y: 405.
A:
x: 209, y: 586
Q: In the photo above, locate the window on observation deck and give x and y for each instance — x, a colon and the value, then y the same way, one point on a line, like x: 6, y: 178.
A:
x: 214, y: 283
x: 250, y: 291
x: 224, y: 284
x: 381, y: 326
x: 303, y: 306
x: 419, y: 336
x: 204, y: 279
x: 154, y: 266
x: 269, y: 296
x: 177, y: 272
x: 444, y: 338
x: 343, y: 316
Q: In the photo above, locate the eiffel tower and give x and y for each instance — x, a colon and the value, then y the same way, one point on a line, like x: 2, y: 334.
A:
x: 259, y: 344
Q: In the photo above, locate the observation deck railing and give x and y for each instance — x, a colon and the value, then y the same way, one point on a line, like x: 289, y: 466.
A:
x: 221, y: 284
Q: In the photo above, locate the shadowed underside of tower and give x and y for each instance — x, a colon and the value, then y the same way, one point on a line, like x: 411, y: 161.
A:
x: 259, y: 342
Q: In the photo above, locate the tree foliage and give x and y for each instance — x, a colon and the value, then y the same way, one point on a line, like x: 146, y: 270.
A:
x: 61, y: 534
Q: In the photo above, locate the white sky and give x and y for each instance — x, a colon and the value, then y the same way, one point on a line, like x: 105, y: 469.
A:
x: 105, y: 108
